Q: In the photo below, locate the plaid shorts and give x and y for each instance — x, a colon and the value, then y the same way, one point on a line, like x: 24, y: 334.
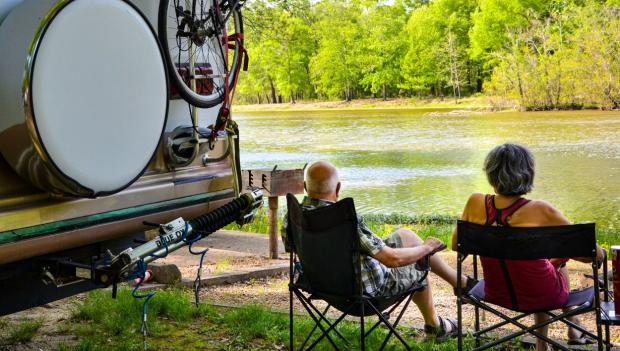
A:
x: 400, y: 279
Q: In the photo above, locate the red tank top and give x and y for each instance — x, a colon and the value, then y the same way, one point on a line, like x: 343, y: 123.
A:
x: 524, y: 285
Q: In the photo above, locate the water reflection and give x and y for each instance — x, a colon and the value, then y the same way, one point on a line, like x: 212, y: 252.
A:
x: 415, y: 161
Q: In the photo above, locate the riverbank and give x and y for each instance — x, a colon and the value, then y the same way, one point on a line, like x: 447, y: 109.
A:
x: 484, y: 103
x: 438, y: 226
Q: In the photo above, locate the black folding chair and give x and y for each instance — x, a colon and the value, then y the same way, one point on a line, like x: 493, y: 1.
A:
x: 519, y: 243
x: 325, y: 264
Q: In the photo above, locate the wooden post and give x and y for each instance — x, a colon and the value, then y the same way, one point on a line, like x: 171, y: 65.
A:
x: 273, y: 227
x: 274, y: 182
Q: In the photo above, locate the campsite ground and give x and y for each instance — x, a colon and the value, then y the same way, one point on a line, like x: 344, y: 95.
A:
x: 247, y: 314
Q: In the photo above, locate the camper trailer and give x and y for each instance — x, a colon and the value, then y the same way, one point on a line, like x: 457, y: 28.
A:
x: 111, y: 122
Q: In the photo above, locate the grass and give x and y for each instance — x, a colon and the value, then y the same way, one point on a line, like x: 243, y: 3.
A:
x: 101, y: 323
x: 222, y: 266
x: 23, y: 332
x: 437, y: 225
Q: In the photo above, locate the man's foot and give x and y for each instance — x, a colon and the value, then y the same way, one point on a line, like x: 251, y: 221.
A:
x: 471, y: 282
x: 447, y: 328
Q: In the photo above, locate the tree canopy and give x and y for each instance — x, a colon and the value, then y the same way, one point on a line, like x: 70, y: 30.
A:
x: 544, y: 53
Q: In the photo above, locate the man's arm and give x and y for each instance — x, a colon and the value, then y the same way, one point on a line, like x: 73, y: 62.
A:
x: 398, y: 257
x: 393, y: 257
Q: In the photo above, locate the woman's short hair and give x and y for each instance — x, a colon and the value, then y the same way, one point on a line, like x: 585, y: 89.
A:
x: 510, y: 169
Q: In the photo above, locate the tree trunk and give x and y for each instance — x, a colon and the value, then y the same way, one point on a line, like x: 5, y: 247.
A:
x: 273, y: 92
x: 384, y: 92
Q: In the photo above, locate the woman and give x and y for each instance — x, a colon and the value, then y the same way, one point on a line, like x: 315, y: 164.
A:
x: 539, y: 284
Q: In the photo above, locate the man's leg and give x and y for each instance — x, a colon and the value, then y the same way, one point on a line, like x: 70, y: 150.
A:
x: 406, y: 276
x: 438, y: 265
x: 424, y: 300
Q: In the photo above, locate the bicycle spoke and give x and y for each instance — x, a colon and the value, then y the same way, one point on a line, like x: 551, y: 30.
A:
x: 195, y: 30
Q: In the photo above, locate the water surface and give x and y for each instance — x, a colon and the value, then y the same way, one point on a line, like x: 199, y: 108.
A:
x: 423, y: 161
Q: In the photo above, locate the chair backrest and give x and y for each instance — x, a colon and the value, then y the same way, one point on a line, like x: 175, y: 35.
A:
x: 327, y: 244
x: 527, y: 243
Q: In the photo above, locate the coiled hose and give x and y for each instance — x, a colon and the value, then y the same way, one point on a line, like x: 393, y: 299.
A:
x: 206, y: 224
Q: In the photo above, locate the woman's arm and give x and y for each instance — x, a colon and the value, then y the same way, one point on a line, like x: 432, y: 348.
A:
x: 469, y: 214
x: 555, y: 217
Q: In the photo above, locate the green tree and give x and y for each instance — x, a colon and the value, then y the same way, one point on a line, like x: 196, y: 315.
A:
x: 382, y: 47
x: 335, y: 68
x: 437, y: 36
x: 495, y: 19
x: 293, y: 49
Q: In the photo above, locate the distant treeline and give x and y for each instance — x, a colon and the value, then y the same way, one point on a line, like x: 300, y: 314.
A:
x: 545, y: 54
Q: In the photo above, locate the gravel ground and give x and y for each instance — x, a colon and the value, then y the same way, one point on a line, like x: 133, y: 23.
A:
x: 230, y: 251
x: 273, y: 293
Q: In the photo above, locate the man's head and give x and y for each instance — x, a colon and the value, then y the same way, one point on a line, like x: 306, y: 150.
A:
x: 322, y: 181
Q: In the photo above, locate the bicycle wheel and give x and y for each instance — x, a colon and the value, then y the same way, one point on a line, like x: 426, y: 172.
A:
x: 194, y: 35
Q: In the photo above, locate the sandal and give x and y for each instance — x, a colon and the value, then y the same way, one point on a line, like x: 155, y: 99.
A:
x: 583, y: 339
x: 471, y: 282
x: 447, y: 329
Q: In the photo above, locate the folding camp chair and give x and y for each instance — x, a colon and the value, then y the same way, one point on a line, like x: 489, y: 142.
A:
x: 519, y: 243
x: 325, y: 264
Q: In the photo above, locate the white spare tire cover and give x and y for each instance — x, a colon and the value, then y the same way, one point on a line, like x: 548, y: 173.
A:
x: 83, y: 94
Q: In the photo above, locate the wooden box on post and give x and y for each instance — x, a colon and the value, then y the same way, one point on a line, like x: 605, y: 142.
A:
x: 274, y: 182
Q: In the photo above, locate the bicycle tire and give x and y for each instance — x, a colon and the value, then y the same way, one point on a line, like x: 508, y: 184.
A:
x: 184, y: 90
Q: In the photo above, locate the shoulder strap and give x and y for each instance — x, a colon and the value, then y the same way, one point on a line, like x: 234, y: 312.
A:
x: 490, y: 209
x: 501, y: 217
x: 505, y: 213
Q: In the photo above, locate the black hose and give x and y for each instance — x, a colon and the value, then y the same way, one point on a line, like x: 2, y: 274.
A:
x: 208, y: 223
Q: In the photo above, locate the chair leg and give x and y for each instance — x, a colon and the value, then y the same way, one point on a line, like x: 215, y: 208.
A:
x: 459, y: 303
x: 599, y: 331
x: 395, y: 324
x: 290, y: 318
x: 607, y: 339
x: 480, y: 332
x: 391, y: 310
x: 362, y: 336
x: 389, y: 325
x: 459, y: 316
x: 524, y: 330
x: 323, y: 318
x: 326, y: 332
x: 476, y: 309
x: 315, y: 319
x: 563, y: 318
x: 331, y: 327
x: 477, y: 325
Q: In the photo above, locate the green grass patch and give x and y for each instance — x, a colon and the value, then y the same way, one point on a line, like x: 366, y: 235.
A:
x: 24, y: 331
x: 222, y: 266
x: 606, y: 237
x: 102, y: 323
x: 437, y: 225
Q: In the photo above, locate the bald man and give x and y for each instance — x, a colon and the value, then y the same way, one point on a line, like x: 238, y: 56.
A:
x: 388, y: 266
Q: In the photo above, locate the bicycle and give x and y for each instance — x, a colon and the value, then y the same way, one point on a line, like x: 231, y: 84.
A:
x: 196, y: 36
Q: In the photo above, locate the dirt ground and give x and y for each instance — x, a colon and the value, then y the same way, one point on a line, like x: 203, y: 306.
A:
x: 273, y: 293
x: 230, y: 251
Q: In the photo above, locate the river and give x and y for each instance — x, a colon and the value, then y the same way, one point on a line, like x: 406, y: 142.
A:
x: 430, y: 161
